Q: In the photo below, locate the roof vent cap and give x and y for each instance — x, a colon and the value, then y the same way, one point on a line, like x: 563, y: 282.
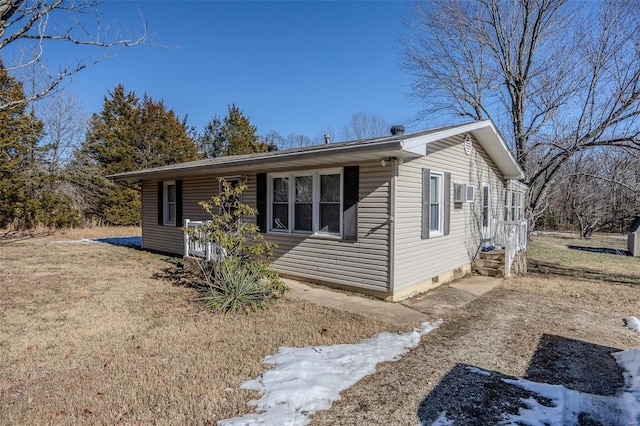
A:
x: 397, y: 130
x: 327, y: 139
x: 272, y: 147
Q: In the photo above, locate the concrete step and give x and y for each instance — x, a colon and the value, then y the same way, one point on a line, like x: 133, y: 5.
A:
x: 488, y: 272
x: 492, y: 255
x: 490, y: 263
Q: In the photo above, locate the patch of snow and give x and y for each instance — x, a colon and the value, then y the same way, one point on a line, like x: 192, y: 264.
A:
x: 133, y: 241
x: 630, y: 361
x: 632, y: 323
x: 442, y: 421
x: 306, y: 380
x: 567, y: 404
x: 477, y: 370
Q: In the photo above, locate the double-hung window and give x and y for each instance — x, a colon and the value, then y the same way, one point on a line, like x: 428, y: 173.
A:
x: 303, y: 211
x: 280, y: 204
x: 520, y: 203
x: 435, y: 204
x: 507, y: 207
x: 230, y: 206
x: 169, y: 203
x: 306, y: 202
x: 330, y: 204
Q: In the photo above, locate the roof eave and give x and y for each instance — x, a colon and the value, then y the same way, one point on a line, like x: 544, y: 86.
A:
x: 374, y: 150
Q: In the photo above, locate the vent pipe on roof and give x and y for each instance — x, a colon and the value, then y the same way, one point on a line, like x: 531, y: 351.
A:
x: 272, y: 147
x: 397, y: 130
x: 327, y: 139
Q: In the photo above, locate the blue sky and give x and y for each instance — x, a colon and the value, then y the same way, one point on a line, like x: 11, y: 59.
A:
x: 293, y: 67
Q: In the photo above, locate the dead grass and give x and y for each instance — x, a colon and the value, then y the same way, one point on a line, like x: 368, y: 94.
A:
x: 93, y: 334
x: 592, y: 259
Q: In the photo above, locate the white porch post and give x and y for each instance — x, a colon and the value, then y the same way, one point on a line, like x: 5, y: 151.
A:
x: 186, y: 238
x: 207, y: 250
x: 508, y: 256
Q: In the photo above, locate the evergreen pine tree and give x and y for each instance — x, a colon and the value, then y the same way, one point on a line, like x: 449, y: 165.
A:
x: 232, y: 135
x: 130, y: 134
x: 20, y: 175
x: 239, y: 134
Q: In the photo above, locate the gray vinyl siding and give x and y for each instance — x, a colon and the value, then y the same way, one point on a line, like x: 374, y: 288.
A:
x: 363, y: 263
x: 418, y: 260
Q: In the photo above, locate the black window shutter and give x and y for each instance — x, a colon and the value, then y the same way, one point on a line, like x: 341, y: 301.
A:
x: 426, y: 188
x: 160, y: 203
x: 351, y: 177
x: 447, y: 203
x: 261, y: 201
x: 178, y: 203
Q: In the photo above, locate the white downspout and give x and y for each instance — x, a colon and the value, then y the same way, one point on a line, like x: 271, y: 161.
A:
x: 392, y: 224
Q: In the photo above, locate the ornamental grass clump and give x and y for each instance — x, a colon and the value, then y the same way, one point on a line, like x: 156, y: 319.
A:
x: 232, y: 287
x: 238, y: 278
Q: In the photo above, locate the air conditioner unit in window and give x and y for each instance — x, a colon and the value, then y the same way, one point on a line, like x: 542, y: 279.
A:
x: 464, y: 193
x: 471, y: 194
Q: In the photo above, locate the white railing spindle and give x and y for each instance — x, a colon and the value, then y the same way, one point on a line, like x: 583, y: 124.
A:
x: 194, y: 246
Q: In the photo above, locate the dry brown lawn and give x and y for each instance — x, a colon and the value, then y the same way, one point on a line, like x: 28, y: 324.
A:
x: 98, y: 334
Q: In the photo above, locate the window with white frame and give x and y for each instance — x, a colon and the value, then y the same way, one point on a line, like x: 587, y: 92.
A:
x: 435, y: 204
x: 520, y: 205
x: 280, y: 204
x: 230, y: 207
x: 306, y: 202
x: 514, y: 204
x: 507, y: 207
x: 170, y: 203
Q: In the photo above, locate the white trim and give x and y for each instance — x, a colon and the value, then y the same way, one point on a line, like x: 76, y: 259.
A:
x: 166, y: 202
x: 315, y: 175
x: 485, y: 133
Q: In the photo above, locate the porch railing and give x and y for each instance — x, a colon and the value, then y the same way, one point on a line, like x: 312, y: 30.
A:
x: 195, y: 246
x: 513, y: 237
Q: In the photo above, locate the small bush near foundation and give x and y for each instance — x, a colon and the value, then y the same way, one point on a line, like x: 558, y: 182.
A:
x: 232, y: 286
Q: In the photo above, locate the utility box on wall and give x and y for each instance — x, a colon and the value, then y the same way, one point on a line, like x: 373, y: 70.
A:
x: 634, y: 237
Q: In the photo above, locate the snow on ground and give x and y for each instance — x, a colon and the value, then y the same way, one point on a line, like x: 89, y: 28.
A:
x: 134, y: 241
x: 632, y: 323
x: 305, y: 380
x: 443, y: 420
x: 568, y: 405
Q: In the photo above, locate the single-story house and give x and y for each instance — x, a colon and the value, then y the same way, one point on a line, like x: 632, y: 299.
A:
x: 389, y: 216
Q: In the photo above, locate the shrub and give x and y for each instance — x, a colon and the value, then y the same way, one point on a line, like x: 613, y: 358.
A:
x: 233, y: 286
x: 241, y: 280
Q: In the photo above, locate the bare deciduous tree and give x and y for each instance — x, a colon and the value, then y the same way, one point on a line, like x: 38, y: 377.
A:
x: 558, y: 77
x: 288, y: 142
x: 28, y: 26
x: 65, y: 125
x: 364, y: 126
